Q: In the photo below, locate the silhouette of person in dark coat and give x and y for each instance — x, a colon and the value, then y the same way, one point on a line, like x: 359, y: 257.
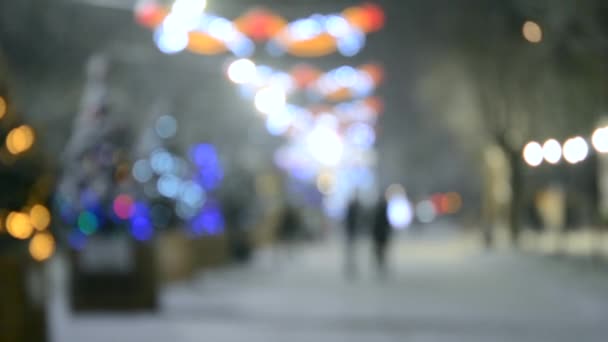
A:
x: 351, y: 226
x: 381, y: 234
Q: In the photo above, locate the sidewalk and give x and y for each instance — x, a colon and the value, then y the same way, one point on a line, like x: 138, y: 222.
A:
x: 440, y: 289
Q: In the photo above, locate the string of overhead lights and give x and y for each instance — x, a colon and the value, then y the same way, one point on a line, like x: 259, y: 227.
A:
x: 185, y: 25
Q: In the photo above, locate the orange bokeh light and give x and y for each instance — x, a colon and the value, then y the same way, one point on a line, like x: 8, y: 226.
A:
x: 321, y: 45
x: 42, y: 246
x: 203, y: 43
x: 3, y: 107
x: 18, y: 225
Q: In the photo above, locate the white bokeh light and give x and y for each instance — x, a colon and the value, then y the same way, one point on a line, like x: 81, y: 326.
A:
x: 161, y: 161
x: 337, y: 26
x: 170, y: 41
x: 600, y: 140
x: 361, y: 135
x: 223, y: 29
x: 142, y: 172
x: 169, y: 185
x: 270, y: 100
x: 304, y: 29
x: 533, y: 154
x: 399, y: 212
x: 552, y: 151
x: 426, y: 212
x: 166, y: 126
x: 192, y: 194
x: 575, y: 150
x: 279, y: 123
x: 325, y: 145
x: 242, y: 71
x: 192, y: 7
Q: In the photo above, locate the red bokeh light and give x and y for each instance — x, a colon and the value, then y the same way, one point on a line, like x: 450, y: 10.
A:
x: 304, y: 75
x: 260, y: 24
x: 375, y: 17
x: 150, y: 15
x: 124, y: 207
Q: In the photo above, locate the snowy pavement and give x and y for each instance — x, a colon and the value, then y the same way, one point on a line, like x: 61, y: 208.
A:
x: 438, y: 290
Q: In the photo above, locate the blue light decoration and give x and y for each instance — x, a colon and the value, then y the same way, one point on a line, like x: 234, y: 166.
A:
x: 209, y: 170
x: 66, y: 209
x: 209, y: 221
x: 77, y: 240
x: 90, y: 199
x: 141, y: 226
x: 351, y: 44
x: 141, y: 229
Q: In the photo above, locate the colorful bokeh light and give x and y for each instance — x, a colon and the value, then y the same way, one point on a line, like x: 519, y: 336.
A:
x: 88, y: 223
x: 124, y: 206
x: 40, y: 217
x: 18, y: 225
x: 42, y: 246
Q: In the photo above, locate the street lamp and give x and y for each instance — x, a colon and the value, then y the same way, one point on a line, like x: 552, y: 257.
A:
x: 532, y: 32
x: 600, y: 140
x: 575, y: 150
x: 533, y: 154
x: 552, y: 151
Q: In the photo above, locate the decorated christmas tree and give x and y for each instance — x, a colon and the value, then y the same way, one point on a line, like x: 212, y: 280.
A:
x: 93, y: 194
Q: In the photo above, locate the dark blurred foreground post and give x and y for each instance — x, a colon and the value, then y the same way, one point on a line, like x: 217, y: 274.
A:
x: 22, y: 300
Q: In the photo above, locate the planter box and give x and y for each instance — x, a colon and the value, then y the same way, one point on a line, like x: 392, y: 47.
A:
x: 210, y: 251
x: 175, y: 257
x: 114, y: 275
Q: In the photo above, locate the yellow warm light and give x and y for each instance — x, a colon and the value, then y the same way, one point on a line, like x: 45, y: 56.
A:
x: 42, y: 246
x: 40, y: 217
x: 18, y: 225
x: 325, y: 183
x: 20, y: 139
x: 2, y: 107
x: 532, y: 32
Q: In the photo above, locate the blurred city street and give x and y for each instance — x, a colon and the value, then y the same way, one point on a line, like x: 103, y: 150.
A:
x: 262, y: 170
x: 442, y: 287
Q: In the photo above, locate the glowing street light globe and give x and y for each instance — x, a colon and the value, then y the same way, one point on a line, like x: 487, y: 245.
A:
x: 600, y: 140
x: 575, y: 150
x: 242, y: 71
x: 552, y: 151
x: 533, y: 154
x: 270, y: 100
x: 532, y: 32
